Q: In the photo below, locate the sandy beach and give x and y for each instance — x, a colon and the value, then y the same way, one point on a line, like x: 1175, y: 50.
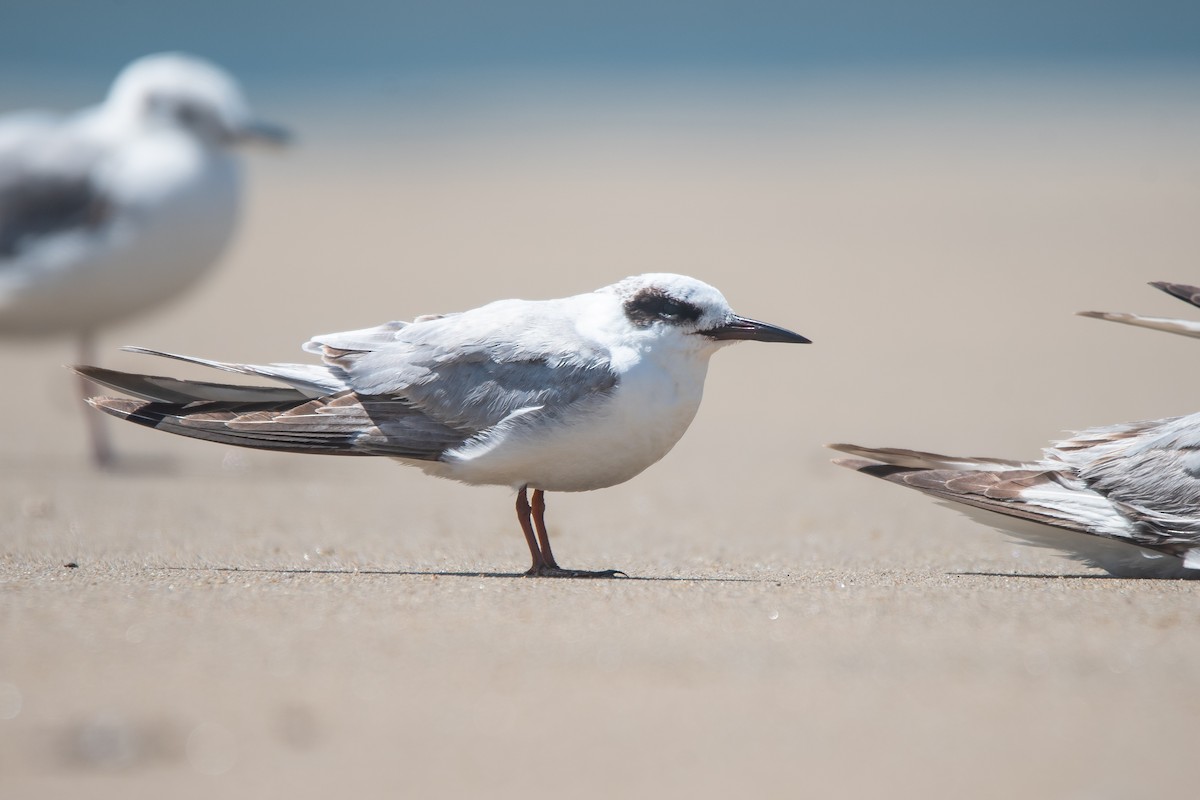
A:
x: 206, y: 621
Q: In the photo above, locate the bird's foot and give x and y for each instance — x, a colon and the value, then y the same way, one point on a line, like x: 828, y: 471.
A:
x: 544, y: 571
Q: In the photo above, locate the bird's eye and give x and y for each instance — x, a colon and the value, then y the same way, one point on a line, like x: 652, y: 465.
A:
x: 647, y: 306
x: 671, y: 310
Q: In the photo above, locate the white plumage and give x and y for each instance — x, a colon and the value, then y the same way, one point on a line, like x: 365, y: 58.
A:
x: 568, y: 395
x: 116, y: 209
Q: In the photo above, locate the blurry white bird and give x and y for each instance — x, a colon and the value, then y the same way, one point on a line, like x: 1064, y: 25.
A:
x: 562, y: 395
x: 1189, y: 294
x: 1124, y: 498
x: 114, y: 209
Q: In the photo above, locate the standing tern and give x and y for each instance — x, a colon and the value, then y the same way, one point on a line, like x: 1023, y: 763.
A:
x: 115, y: 209
x: 564, y: 395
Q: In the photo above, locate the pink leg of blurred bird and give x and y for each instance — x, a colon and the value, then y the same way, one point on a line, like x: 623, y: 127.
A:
x: 97, y: 425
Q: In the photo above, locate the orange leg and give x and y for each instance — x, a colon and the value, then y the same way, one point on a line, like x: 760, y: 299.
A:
x: 539, y: 522
x: 544, y: 565
x: 527, y: 527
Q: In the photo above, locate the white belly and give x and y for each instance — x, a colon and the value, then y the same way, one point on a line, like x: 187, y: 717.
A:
x: 606, y: 443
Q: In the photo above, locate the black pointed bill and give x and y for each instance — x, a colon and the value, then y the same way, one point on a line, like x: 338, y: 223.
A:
x: 743, y: 328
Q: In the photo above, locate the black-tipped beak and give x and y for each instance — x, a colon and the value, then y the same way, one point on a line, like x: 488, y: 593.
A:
x: 743, y: 328
x: 259, y: 132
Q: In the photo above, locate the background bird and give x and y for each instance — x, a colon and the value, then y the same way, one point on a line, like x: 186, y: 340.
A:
x: 115, y: 209
x: 568, y: 395
x: 1124, y: 498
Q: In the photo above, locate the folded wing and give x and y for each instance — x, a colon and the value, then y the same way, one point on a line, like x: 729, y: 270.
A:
x: 384, y: 391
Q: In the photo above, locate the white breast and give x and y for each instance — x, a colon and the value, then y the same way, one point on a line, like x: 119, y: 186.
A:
x: 605, y: 443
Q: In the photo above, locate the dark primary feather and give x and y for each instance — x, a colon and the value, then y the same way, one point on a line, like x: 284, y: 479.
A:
x: 163, y: 389
x: 342, y: 424
x: 988, y: 490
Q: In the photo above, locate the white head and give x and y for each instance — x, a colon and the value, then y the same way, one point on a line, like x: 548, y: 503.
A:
x: 676, y: 305
x: 190, y: 94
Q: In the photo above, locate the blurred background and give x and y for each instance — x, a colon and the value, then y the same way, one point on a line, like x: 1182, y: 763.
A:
x: 928, y: 190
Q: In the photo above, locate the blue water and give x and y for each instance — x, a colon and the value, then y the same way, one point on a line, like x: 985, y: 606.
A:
x: 303, y: 40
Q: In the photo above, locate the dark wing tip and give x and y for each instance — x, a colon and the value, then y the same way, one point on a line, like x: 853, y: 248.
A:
x: 874, y: 468
x: 121, y: 407
x: 1185, y: 292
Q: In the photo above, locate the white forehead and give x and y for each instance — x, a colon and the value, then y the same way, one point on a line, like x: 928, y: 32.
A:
x: 179, y: 76
x: 679, y: 287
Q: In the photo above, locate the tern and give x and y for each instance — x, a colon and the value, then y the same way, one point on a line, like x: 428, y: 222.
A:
x: 1124, y: 498
x: 115, y: 209
x: 564, y: 395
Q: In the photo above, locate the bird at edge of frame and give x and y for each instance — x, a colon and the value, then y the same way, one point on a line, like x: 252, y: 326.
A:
x: 1123, y: 498
x: 565, y: 395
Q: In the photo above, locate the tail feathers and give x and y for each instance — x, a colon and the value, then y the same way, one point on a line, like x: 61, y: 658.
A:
x: 198, y: 422
x: 917, y: 459
x: 162, y: 389
x: 1037, y: 506
x: 343, y: 424
x: 314, y: 380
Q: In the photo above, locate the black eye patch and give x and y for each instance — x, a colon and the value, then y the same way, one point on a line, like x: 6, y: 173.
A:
x: 649, y: 305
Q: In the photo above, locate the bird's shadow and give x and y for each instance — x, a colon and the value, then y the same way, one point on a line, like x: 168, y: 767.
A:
x: 460, y: 574
x: 140, y: 465
x: 1036, y: 576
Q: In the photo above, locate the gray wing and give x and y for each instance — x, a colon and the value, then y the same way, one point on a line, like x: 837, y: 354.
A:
x: 476, y: 369
x: 344, y: 423
x: 416, y: 397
